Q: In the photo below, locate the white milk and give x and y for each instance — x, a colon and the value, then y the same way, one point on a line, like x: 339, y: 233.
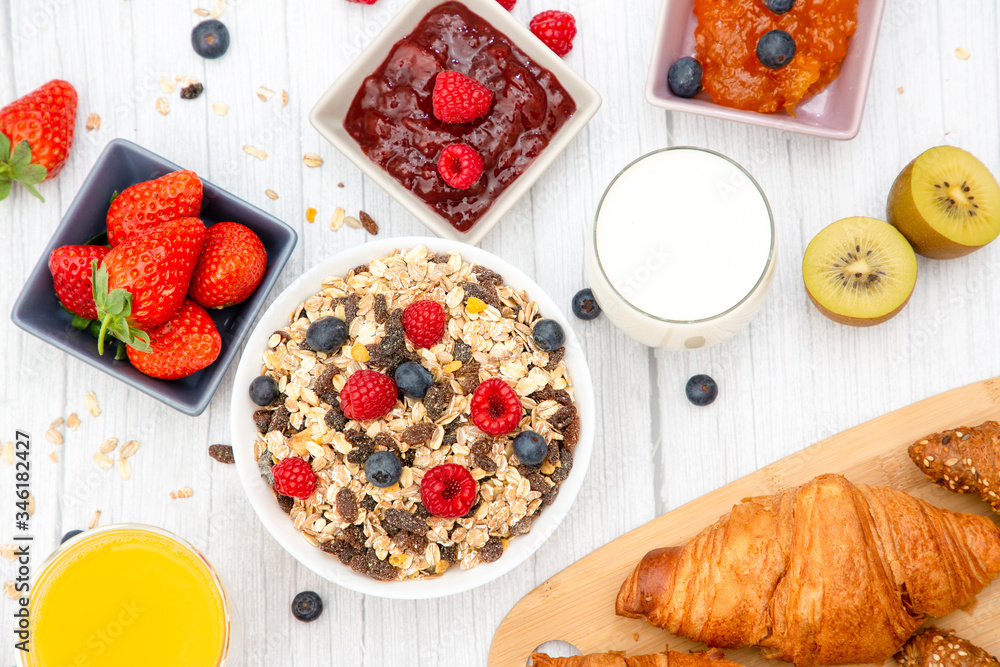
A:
x: 682, y: 249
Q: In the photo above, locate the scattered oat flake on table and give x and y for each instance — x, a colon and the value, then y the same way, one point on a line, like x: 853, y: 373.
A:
x: 103, y: 461
x: 53, y: 457
x: 312, y: 160
x: 264, y: 93
x: 310, y: 214
x: 129, y: 448
x: 962, y: 53
x: 93, y: 122
x: 54, y: 436
x: 337, y: 221
x: 162, y: 106
x: 72, y: 422
x: 94, y: 519
x: 10, y: 590
x: 7, y: 551
x: 201, y: 12
x: 900, y: 90
x: 256, y: 152
x: 368, y: 223
x: 271, y: 193
x: 352, y: 222
x: 166, y: 86
x: 183, y: 492
x: 8, y: 453
x: 284, y: 98
x: 109, y: 445
x: 220, y: 6
x: 56, y: 423
x: 90, y: 400
x: 124, y: 469
x: 31, y: 505
x: 220, y: 109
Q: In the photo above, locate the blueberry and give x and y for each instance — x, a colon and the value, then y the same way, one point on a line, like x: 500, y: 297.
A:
x: 70, y: 535
x: 701, y: 390
x: 383, y: 468
x: 548, y: 335
x: 776, y: 49
x: 531, y: 448
x: 307, y: 606
x: 263, y: 390
x: 585, y: 306
x: 779, y: 6
x: 413, y: 379
x: 327, y: 334
x: 210, y: 39
x: 684, y: 77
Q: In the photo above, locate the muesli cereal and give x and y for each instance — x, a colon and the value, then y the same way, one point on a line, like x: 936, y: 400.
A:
x: 387, y: 532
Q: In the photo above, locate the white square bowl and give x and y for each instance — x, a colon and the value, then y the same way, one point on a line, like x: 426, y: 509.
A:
x: 328, y: 115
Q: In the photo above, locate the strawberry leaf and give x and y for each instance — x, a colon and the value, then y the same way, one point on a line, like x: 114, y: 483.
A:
x: 21, y: 157
x: 4, y: 147
x: 4, y: 188
x: 16, y: 166
x: 80, y: 322
x: 113, y: 309
x: 30, y: 174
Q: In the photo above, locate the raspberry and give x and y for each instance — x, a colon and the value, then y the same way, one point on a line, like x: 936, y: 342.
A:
x: 459, y: 99
x: 293, y: 477
x: 556, y: 29
x: 460, y: 166
x: 448, y: 491
x: 368, y: 395
x: 507, y: 4
x: 495, y: 407
x: 423, y: 322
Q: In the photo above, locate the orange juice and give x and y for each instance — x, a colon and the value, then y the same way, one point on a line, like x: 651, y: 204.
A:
x: 127, y: 595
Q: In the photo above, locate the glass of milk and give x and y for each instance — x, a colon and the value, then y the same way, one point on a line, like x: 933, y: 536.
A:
x: 682, y: 250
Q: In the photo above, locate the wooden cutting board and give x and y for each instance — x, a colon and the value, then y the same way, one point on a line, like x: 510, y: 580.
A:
x: 577, y: 605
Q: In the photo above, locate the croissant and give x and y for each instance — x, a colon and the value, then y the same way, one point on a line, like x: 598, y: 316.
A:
x: 965, y: 460
x: 936, y: 648
x: 829, y: 573
x: 710, y: 658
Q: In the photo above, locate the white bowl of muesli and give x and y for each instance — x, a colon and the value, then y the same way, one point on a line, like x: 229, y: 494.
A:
x: 402, y: 533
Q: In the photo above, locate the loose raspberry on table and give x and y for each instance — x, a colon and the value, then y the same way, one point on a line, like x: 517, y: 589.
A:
x: 557, y: 29
x: 460, y: 166
x: 423, y: 322
x: 495, y: 407
x: 507, y: 4
x: 363, y: 2
x: 294, y: 477
x: 459, y: 99
x: 368, y: 395
x: 448, y: 491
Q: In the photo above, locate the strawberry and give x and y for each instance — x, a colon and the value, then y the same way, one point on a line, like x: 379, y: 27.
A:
x: 460, y: 166
x: 556, y: 29
x: 459, y: 99
x: 142, y: 282
x: 181, y: 346
x: 230, y: 267
x: 368, y: 395
x: 147, y: 204
x: 36, y: 133
x: 72, y: 276
x: 423, y: 322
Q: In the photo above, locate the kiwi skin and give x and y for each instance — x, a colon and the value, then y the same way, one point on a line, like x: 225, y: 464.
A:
x: 901, y: 212
x: 857, y: 321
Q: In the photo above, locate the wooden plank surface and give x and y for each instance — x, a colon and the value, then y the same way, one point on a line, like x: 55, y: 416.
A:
x: 578, y: 604
x: 793, y: 378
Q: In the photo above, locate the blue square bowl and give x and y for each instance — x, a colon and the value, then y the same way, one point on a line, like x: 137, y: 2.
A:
x: 121, y: 165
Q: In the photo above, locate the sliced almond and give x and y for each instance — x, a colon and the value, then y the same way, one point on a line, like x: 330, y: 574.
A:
x: 256, y: 152
x: 337, y: 221
x: 312, y: 160
x: 352, y: 222
x: 54, y: 436
x: 72, y: 422
x: 129, y: 448
x: 271, y: 193
x: 124, y: 468
x: 183, y: 492
x: 221, y: 109
x: 103, y: 461
x: 265, y: 93
x: 166, y: 86
x: 90, y: 400
x: 220, y: 6
x: 93, y: 122
x: 162, y: 106
x: 94, y: 519
x: 109, y: 445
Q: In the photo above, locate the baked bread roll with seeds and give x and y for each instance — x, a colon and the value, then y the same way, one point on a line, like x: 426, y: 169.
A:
x: 829, y: 573
x: 710, y: 658
x: 932, y: 647
x: 964, y: 460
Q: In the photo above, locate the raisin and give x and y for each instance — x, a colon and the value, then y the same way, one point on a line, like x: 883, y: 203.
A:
x: 262, y: 420
x: 450, y: 437
x: 538, y: 483
x: 342, y: 550
x: 421, y: 511
x: 359, y: 455
x: 366, y: 221
x: 221, y: 453
x: 361, y: 268
x: 461, y: 352
x: 369, y: 565
x: 571, y: 434
x: 492, y: 550
x: 350, y: 304
x: 485, y: 462
x: 482, y: 447
x: 555, y: 356
x: 279, y: 420
x: 547, y: 393
x: 487, y: 293
x: 441, y: 258
x: 437, y: 401
x: 550, y: 496
x: 526, y: 470
x: 385, y: 441
x: 286, y: 503
x: 335, y: 419
x: 408, y: 456
x: 560, y: 474
x: 418, y: 433
x: 553, y: 454
x: 357, y: 437
x: 264, y: 464
x: 369, y: 503
x: 449, y: 554
x: 486, y: 276
x: 522, y: 527
x: 404, y: 520
x: 347, y: 505
x: 380, y: 308
x: 563, y: 417
x: 355, y: 536
x: 468, y: 376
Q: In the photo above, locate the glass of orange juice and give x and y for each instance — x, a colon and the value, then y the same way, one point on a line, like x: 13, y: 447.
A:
x: 125, y: 595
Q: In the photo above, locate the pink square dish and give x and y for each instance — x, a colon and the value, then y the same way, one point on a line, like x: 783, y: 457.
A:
x: 835, y: 113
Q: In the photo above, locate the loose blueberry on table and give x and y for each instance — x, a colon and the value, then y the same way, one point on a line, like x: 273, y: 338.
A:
x: 585, y: 306
x: 210, y: 39
x: 307, y: 606
x: 70, y: 535
x: 701, y: 390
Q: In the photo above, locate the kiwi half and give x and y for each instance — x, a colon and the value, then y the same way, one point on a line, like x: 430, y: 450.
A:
x: 859, y: 271
x: 946, y: 203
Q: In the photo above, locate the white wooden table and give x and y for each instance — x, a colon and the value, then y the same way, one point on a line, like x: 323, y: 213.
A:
x: 793, y: 378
